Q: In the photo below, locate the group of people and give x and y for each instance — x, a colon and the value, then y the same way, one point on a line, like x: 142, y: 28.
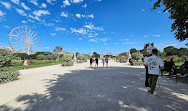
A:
x: 153, y: 65
x: 96, y: 60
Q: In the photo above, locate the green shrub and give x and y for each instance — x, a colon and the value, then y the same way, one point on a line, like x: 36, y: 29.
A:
x: 123, y: 61
x: 5, y: 58
x: 8, y: 75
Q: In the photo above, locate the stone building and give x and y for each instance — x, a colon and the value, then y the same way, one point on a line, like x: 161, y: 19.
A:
x: 147, y: 48
x: 58, y: 50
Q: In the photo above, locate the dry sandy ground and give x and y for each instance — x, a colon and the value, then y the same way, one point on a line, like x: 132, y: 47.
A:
x: 79, y: 88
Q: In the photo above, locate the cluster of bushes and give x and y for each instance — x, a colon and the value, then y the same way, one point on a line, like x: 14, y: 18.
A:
x: 82, y: 58
x: 8, y: 75
x: 176, y: 58
x: 122, y: 57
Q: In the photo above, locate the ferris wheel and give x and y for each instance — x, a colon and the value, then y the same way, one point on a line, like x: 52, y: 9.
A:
x: 24, y: 40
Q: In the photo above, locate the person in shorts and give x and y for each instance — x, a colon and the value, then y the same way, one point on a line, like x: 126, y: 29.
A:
x: 25, y: 63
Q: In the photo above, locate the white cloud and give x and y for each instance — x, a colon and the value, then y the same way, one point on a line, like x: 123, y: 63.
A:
x: 34, y: 2
x: 6, y: 27
x: 25, y: 7
x: 66, y: 3
x: 52, y: 34
x: 104, y: 39
x: 98, y: 0
x: 91, y: 16
x: 126, y: 39
x: 116, y: 43
x: 159, y: 11
x: 76, y: 1
x: 15, y: 1
x: 78, y: 15
x: 85, y: 5
x: 92, y: 40
x: 129, y: 43
x: 60, y: 29
x: 156, y: 35
x: 1, y: 13
x: 105, y: 44
x: 43, y: 5
x: 145, y: 35
x: 6, y: 4
x: 23, y: 21
x: 143, y: 10
x: 41, y: 12
x: 35, y: 17
x: 82, y: 16
x: 21, y: 12
x: 31, y: 20
x: 92, y: 27
x: 63, y: 14
x: 81, y: 31
x: 50, y: 1
x: 47, y: 24
x: 80, y: 38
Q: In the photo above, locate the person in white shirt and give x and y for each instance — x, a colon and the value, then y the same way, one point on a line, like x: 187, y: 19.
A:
x: 154, y: 64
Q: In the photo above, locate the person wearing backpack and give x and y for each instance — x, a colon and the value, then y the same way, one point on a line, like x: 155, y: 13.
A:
x: 154, y: 64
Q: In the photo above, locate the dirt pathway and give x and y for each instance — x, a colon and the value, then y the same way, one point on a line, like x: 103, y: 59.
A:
x: 80, y: 88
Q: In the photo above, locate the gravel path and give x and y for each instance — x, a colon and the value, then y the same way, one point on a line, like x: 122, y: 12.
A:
x: 79, y: 88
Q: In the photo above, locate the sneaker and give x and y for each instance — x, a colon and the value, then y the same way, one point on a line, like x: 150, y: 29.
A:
x: 148, y: 88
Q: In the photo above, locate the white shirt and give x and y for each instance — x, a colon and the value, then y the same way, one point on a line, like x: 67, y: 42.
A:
x: 153, y: 63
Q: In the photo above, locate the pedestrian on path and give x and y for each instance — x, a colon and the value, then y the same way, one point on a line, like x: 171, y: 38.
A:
x: 96, y: 62
x: 91, y: 61
x: 154, y: 64
x: 106, y: 59
x: 103, y: 60
x: 25, y: 63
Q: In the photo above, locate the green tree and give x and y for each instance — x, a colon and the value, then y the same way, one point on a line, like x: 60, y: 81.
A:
x: 183, y: 52
x: 171, y: 50
x: 96, y: 55
x: 41, y: 57
x: 80, y: 57
x: 21, y: 55
x: 123, y: 55
x: 137, y: 56
x: 178, y: 10
x: 5, y: 58
x: 133, y: 50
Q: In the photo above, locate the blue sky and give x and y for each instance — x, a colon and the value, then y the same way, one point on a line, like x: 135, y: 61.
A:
x: 86, y: 26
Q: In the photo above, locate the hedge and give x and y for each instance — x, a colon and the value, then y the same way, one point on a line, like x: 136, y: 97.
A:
x: 8, y: 75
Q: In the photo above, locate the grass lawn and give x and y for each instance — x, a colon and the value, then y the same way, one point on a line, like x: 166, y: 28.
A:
x: 178, y: 63
x: 34, y: 65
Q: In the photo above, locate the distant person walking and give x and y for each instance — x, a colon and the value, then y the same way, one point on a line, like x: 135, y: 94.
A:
x: 25, y: 63
x: 96, y: 62
x: 154, y: 64
x: 91, y: 61
x: 103, y: 60
x: 106, y: 59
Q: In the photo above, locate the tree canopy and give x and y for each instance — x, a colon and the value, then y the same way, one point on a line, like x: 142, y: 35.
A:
x: 178, y: 10
x: 133, y: 50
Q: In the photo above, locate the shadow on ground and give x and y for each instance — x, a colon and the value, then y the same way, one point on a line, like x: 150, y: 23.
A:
x: 105, y: 89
